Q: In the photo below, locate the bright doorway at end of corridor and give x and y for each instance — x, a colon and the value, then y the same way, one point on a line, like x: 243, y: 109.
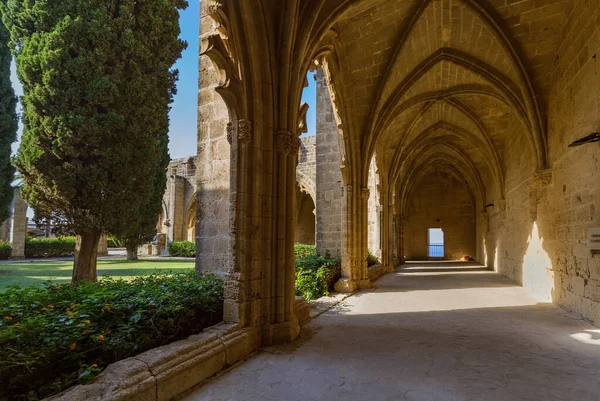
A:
x: 435, y: 243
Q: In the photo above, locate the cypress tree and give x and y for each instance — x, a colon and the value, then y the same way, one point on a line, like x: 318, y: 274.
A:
x: 8, y: 126
x: 98, y: 80
x: 148, y: 213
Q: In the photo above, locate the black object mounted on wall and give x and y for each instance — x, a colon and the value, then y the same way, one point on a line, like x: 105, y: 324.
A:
x: 595, y: 137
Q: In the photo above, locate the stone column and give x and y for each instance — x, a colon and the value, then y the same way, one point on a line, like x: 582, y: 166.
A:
x: 329, y: 184
x: 355, y: 274
x: 176, y: 207
x: 18, y: 226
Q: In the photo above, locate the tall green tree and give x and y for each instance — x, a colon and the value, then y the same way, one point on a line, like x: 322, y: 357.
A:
x: 98, y: 79
x: 8, y: 126
x: 148, y: 213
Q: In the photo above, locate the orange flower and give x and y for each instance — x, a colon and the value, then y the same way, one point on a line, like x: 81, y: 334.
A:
x: 73, y: 346
x: 87, y: 322
x: 16, y: 324
x: 84, y: 332
x: 8, y: 318
x: 108, y: 309
x: 100, y: 337
x: 50, y: 306
x: 94, y: 366
x: 70, y: 314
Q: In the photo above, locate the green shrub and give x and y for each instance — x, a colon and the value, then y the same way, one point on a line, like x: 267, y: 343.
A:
x: 371, y: 259
x: 112, y: 242
x: 5, y: 249
x: 55, y: 337
x: 316, y: 275
x: 50, y: 247
x: 302, y: 250
x: 186, y: 249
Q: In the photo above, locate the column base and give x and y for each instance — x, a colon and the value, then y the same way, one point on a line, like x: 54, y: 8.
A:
x: 281, y: 333
x: 347, y: 285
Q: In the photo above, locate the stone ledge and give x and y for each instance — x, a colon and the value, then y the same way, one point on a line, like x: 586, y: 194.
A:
x: 163, y: 373
x: 378, y: 270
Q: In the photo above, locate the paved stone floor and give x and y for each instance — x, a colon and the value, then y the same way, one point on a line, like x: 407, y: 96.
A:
x: 431, y: 331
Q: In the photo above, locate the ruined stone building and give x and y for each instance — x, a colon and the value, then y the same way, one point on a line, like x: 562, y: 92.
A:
x: 447, y: 114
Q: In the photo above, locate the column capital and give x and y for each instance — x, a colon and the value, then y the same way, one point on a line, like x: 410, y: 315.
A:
x: 284, y: 142
x: 244, y: 130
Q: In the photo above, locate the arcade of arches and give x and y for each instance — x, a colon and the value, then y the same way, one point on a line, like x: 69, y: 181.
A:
x: 454, y: 114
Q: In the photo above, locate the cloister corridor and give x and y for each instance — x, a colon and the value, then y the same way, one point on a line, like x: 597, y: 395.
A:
x: 432, y: 331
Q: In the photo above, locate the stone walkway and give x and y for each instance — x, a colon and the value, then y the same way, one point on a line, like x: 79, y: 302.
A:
x: 432, y: 331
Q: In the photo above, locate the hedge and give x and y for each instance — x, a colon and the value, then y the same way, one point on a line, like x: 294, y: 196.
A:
x: 316, y: 275
x: 50, y: 247
x: 302, y: 250
x: 5, y: 250
x: 55, y: 337
x: 112, y: 242
x: 186, y: 249
x: 371, y: 259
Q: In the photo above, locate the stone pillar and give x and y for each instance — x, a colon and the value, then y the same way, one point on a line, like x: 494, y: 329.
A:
x: 329, y: 176
x: 176, y: 207
x: 355, y: 274
x: 18, y: 226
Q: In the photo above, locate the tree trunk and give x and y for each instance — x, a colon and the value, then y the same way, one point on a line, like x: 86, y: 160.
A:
x: 86, y: 254
x: 132, y: 252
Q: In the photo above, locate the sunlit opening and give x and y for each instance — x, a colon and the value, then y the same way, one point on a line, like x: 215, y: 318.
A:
x: 538, y: 276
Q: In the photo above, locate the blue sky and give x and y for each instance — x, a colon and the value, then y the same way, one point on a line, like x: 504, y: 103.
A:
x: 184, y: 112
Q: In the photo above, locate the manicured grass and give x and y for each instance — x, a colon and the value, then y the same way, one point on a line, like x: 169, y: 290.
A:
x: 59, y: 272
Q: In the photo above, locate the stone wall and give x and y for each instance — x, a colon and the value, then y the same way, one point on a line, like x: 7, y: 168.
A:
x: 306, y: 172
x: 213, y: 169
x: 374, y: 211
x: 179, y: 200
x: 329, y: 176
x: 440, y: 201
x: 18, y: 226
x: 571, y: 203
x: 539, y: 238
x: 305, y: 218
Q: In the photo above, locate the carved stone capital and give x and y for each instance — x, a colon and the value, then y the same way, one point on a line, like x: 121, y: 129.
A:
x: 215, y: 6
x: 349, y: 190
x: 229, y: 130
x: 543, y: 178
x: 244, y: 130
x: 284, y: 142
x: 365, y: 192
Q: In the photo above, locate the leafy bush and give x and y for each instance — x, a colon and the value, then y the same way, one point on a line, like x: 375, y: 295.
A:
x: 50, y: 247
x: 112, y: 242
x: 316, y: 275
x: 371, y: 259
x: 302, y: 250
x: 186, y: 249
x: 5, y: 249
x: 52, y: 338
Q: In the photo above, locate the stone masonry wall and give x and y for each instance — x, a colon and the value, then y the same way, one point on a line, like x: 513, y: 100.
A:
x: 212, y: 169
x: 572, y: 203
x: 440, y: 197
x: 329, y: 176
x: 539, y: 240
x: 306, y: 172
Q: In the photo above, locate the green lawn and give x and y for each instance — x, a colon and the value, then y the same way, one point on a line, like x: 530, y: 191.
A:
x: 59, y: 272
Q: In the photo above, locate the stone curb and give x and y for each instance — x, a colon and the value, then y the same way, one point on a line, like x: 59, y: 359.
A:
x: 163, y: 373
